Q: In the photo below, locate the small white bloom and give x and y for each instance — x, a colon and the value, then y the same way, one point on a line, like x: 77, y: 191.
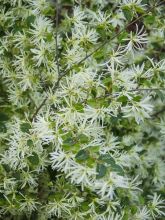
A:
x: 28, y: 204
x: 111, y: 144
x: 157, y: 67
x: 74, y: 55
x: 75, y: 200
x: 83, y: 34
x: 58, y: 206
x: 156, y: 205
x: 42, y: 52
x: 112, y: 216
x: 101, y: 19
x: 117, y: 19
x: 82, y: 175
x: 116, y: 57
x: 139, y: 72
x: 142, y: 214
x: 42, y: 26
x: 28, y: 178
x: 43, y: 128
x: 62, y: 161
x: 136, y: 40
x: 78, y: 16
x: 95, y: 114
x: 133, y: 3
x: 139, y: 110
x: 106, y: 187
x: 39, y: 5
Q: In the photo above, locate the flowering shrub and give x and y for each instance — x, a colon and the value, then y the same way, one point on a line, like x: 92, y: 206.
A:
x: 82, y: 123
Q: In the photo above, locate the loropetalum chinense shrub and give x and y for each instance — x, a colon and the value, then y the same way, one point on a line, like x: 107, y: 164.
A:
x: 82, y: 123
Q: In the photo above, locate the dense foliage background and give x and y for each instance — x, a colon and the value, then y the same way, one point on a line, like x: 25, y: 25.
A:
x: 82, y: 109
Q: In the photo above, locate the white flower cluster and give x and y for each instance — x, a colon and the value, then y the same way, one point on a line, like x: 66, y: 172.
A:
x: 81, y: 123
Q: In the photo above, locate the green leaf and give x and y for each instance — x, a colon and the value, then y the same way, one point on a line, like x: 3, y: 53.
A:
x: 82, y: 155
x: 134, y: 209
x: 30, y: 143
x: 116, y: 168
x: 100, y: 103
x: 68, y: 141
x: 128, y: 14
x: 17, y: 175
x: 94, y: 149
x: 107, y: 81
x: 2, y: 200
x: 123, y: 99
x: 142, y: 200
x: 144, y: 2
x: 122, y: 36
x: 25, y: 127
x: 49, y: 37
x: 149, y: 19
x: 79, y: 107
x: 83, y: 138
x: 99, y: 54
x: 126, y: 216
x: 85, y: 206
x: 139, y: 9
x: 3, y: 117
x: 49, y: 11
x: 3, y: 128
x: 34, y: 159
x: 6, y: 167
x: 137, y: 98
x: 30, y: 20
x: 101, y: 170
x: 94, y: 92
x: 107, y: 159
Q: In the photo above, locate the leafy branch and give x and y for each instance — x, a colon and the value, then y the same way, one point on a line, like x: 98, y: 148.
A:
x: 60, y: 76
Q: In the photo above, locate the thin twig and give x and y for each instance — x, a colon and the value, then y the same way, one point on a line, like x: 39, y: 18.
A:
x: 57, y: 61
x: 57, y: 58
x: 146, y: 89
x: 90, y: 54
x: 116, y: 35
x: 132, y: 90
